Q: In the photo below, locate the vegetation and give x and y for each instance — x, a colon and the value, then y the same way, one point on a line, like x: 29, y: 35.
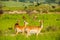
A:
x: 38, y: 1
x: 11, y: 5
x: 50, y: 30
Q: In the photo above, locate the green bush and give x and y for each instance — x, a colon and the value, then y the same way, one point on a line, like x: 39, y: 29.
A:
x: 57, y: 10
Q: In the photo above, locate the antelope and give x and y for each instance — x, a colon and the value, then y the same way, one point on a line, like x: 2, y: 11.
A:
x: 34, y: 29
x: 19, y: 28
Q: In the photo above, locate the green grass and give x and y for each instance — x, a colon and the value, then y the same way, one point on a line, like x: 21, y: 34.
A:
x: 8, y: 20
x: 49, y: 20
x: 44, y: 36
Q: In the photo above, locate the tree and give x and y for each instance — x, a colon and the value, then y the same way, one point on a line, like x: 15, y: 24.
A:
x: 10, y: 0
x: 1, y: 11
x: 50, y: 1
x: 59, y: 3
x: 17, y: 0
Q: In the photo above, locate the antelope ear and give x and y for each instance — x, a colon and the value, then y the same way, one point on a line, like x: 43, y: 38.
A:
x: 26, y: 22
x: 39, y: 20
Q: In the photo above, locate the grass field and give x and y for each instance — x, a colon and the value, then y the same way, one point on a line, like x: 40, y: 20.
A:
x: 53, y: 20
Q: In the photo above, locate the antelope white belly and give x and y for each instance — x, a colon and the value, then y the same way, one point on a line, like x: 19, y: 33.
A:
x: 33, y: 31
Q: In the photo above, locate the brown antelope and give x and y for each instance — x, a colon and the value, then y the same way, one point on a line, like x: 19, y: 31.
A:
x: 34, y: 29
x: 19, y: 28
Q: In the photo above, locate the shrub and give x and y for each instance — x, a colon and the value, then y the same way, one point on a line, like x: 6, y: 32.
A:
x: 51, y: 28
x: 57, y: 10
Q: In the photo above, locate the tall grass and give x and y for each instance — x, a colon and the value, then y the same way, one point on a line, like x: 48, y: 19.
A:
x: 8, y: 20
x: 49, y: 20
x: 44, y: 36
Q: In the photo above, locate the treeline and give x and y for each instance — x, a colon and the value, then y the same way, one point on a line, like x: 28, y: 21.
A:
x: 38, y: 1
